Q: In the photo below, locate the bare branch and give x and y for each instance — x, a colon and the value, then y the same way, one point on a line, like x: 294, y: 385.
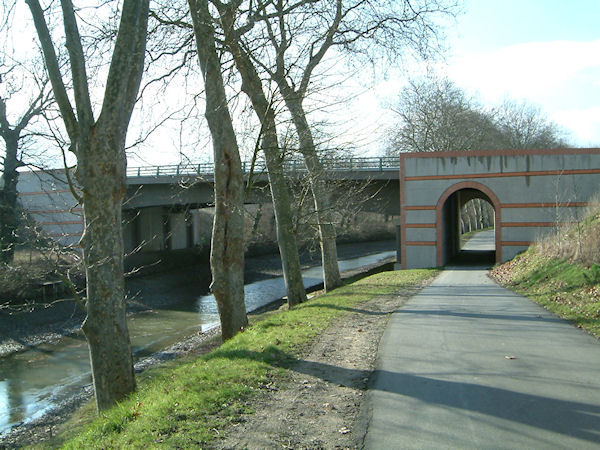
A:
x: 85, y: 114
x: 60, y: 92
x: 124, y: 76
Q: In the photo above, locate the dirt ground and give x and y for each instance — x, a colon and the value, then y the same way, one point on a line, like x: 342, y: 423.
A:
x: 320, y: 403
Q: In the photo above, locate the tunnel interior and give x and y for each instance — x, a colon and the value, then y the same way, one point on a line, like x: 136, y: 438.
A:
x: 465, y: 214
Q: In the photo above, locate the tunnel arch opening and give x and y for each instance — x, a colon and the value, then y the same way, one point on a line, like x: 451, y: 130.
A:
x: 448, y: 224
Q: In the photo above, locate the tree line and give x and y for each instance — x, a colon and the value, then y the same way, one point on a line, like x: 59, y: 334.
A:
x: 434, y: 114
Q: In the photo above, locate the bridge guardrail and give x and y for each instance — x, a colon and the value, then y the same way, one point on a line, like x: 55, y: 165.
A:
x: 291, y: 166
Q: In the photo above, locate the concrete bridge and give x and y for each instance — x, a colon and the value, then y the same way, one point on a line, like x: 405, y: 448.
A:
x: 531, y: 191
x: 163, y: 203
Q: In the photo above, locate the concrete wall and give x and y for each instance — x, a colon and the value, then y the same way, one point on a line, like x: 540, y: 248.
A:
x: 168, y: 193
x: 179, y: 231
x: 46, y: 197
x: 531, y: 191
x: 151, y: 229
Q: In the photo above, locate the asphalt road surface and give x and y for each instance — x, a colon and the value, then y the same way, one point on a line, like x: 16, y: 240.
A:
x: 468, y: 364
x: 482, y: 241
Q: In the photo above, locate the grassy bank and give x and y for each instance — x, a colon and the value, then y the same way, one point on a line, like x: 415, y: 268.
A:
x: 186, y: 403
x: 562, y: 273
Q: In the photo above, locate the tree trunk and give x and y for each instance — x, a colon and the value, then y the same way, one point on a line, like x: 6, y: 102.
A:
x: 468, y: 214
x: 256, y: 222
x: 102, y: 178
x: 8, y: 199
x: 286, y: 239
x: 474, y: 213
x: 101, y: 173
x: 327, y: 235
x: 480, y: 224
x: 490, y: 215
x: 227, y: 247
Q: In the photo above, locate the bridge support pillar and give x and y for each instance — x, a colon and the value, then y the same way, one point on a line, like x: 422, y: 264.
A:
x: 398, y: 265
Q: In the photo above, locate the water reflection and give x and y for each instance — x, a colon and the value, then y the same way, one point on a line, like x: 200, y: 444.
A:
x: 14, y: 396
x: 33, y: 381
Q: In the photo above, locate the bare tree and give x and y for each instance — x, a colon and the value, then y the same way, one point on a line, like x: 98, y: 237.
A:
x: 298, y: 37
x: 99, y: 146
x: 280, y: 37
x: 14, y: 136
x: 172, y: 15
x: 227, y: 246
x: 435, y: 115
x: 522, y: 125
x: 253, y: 87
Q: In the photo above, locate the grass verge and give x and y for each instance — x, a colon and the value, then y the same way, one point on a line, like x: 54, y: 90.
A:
x: 568, y: 289
x: 185, y: 403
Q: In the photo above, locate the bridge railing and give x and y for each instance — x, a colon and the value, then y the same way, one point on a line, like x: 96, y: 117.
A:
x: 291, y: 166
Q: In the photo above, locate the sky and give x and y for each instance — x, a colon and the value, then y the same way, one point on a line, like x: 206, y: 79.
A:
x: 544, y: 51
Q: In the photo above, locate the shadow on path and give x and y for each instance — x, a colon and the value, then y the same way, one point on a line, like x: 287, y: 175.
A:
x: 571, y: 418
x: 445, y: 312
x: 348, y: 309
x: 470, y: 259
x: 577, y: 419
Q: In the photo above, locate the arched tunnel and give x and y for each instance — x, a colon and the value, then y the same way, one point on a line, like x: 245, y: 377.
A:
x: 452, y: 230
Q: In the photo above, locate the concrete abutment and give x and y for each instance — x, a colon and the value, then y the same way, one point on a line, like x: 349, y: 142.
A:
x: 531, y: 192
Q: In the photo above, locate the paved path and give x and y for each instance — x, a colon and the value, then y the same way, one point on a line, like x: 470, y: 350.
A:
x: 481, y: 241
x: 446, y: 377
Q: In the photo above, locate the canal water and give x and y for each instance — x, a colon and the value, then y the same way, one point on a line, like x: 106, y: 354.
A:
x: 34, y: 381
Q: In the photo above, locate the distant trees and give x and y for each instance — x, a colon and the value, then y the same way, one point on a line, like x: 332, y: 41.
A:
x: 522, y: 125
x: 436, y: 115
x: 476, y: 214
